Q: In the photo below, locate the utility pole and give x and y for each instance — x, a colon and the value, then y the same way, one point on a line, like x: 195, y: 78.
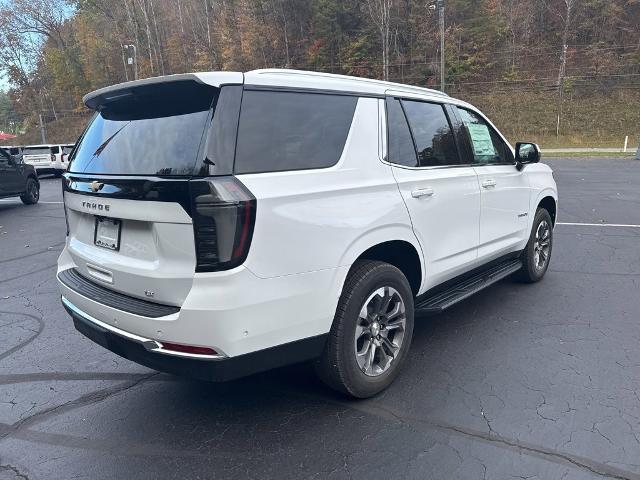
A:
x: 132, y: 60
x: 440, y: 4
x: 44, y: 140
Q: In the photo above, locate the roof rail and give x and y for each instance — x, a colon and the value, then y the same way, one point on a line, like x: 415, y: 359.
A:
x: 362, y: 80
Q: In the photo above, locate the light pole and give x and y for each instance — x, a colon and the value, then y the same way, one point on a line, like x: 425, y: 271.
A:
x: 432, y: 6
x: 440, y: 4
x: 133, y: 60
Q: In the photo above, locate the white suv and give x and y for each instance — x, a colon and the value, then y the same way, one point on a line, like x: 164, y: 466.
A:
x: 48, y: 158
x: 221, y: 224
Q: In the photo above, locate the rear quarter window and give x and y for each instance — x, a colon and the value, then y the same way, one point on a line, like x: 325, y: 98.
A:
x: 281, y: 131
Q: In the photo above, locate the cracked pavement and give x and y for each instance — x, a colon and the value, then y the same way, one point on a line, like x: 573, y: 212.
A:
x: 518, y: 382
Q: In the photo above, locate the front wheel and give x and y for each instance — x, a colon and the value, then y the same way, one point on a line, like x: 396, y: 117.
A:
x: 31, y: 194
x: 371, y: 331
x: 537, y: 253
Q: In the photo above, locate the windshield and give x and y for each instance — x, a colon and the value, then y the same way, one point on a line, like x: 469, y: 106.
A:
x: 146, y: 134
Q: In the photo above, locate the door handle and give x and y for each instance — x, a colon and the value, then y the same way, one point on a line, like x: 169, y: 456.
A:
x: 422, y: 192
x: 488, y: 183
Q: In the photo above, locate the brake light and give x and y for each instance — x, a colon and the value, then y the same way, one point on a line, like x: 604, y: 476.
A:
x: 224, y: 214
x: 62, y: 158
x: 53, y: 158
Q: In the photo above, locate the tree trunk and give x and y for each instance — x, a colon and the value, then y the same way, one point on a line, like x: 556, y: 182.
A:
x: 380, y: 11
x: 160, y: 58
x: 206, y: 13
x: 286, y: 34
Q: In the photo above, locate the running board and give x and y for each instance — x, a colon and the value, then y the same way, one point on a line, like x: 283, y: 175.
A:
x: 438, y: 302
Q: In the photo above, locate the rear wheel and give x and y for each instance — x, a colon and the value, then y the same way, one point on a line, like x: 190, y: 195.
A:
x: 371, y: 332
x: 31, y: 194
x: 537, y: 253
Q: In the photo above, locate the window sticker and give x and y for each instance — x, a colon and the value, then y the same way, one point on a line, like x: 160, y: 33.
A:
x: 481, y: 140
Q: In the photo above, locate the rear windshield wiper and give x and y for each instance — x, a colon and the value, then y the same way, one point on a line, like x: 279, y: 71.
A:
x: 104, y: 144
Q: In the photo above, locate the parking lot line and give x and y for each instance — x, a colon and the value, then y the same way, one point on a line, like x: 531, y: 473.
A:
x: 11, y: 200
x: 622, y: 225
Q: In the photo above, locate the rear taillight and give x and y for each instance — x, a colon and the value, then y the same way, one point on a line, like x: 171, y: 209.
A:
x: 224, y: 214
x: 53, y: 158
x: 62, y: 157
x: 64, y: 206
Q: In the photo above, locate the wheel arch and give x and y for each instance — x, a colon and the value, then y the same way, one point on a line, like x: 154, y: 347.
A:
x: 34, y: 177
x: 549, y: 204
x: 402, y: 254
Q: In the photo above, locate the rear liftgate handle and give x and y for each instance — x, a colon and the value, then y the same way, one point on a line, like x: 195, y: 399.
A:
x: 488, y: 184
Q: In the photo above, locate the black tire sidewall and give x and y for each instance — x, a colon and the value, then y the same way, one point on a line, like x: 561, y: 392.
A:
x: 28, y: 197
x: 360, y: 384
x: 533, y: 273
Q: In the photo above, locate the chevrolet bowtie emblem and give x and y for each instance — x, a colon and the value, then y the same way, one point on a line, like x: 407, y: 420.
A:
x: 95, y: 186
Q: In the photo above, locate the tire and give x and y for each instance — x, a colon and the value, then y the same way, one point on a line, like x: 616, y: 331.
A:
x: 536, y: 256
x: 343, y: 366
x: 32, y: 192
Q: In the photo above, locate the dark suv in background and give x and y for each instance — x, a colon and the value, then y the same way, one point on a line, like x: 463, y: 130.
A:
x: 18, y: 179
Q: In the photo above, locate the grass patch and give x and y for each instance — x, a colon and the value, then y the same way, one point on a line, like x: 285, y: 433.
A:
x: 590, y: 118
x: 629, y: 155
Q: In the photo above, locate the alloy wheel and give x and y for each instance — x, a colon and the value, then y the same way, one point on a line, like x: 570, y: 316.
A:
x: 542, y: 245
x: 380, y: 331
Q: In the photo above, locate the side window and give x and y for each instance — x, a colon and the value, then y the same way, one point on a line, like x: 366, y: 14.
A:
x: 400, y: 144
x: 432, y: 134
x: 4, y: 158
x: 486, y: 145
x: 281, y: 131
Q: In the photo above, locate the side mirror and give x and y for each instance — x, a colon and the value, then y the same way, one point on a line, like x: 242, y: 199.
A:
x: 526, y: 153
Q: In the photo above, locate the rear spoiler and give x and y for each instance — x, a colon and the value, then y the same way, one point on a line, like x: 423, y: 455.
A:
x: 97, y: 99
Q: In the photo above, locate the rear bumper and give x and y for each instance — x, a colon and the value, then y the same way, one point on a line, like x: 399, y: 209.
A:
x: 48, y: 169
x: 219, y: 368
x: 234, y: 312
x: 253, y: 323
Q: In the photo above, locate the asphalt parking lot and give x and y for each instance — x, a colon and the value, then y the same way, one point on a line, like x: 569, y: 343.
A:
x: 520, y: 381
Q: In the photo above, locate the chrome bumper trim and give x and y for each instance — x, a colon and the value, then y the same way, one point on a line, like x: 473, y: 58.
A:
x: 147, y: 343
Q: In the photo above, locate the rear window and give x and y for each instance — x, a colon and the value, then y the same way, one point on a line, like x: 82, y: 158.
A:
x: 401, y: 148
x: 432, y: 134
x: 281, y: 131
x: 150, y: 132
x: 36, y: 151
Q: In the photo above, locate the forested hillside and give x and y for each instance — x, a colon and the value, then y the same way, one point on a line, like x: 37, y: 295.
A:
x: 524, y: 61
